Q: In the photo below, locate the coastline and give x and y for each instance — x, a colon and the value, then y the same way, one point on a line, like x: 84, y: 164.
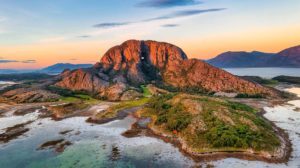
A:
x: 283, y: 156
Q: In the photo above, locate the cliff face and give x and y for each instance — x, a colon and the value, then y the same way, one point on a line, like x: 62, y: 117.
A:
x: 139, y: 62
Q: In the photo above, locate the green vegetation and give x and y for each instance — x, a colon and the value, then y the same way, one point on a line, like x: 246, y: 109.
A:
x: 146, y: 91
x: 60, y: 91
x: 240, y: 136
x: 113, y: 111
x: 260, y: 80
x: 80, y: 98
x: 288, y: 79
x: 239, y: 106
x: 244, y: 95
x: 70, y: 96
x: 210, y: 124
x: 173, y: 116
x: 189, y: 90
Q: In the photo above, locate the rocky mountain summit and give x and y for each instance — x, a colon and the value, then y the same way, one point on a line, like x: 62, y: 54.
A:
x: 125, y: 67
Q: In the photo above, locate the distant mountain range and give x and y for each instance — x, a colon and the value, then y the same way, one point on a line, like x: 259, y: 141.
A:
x: 58, y: 68
x: 53, y: 69
x: 287, y: 58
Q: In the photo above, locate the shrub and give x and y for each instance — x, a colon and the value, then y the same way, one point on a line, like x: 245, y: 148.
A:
x: 240, y: 106
x: 177, y: 119
x: 174, y: 117
x: 240, y: 136
x: 60, y: 91
x: 244, y: 95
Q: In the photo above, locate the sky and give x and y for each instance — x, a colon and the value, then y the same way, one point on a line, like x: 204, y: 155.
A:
x: 39, y: 33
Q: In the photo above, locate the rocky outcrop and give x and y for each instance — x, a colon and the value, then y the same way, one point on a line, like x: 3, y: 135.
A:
x: 141, y: 62
x: 131, y: 95
x: 30, y: 95
x: 199, y: 75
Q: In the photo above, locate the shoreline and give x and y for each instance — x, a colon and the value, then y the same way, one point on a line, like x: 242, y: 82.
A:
x: 286, y: 145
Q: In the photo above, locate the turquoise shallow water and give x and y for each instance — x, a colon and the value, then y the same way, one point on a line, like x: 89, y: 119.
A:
x: 95, y: 146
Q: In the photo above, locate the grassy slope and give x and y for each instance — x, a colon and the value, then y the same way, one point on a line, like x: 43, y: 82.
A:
x: 112, y: 111
x: 79, y: 97
x: 209, y: 124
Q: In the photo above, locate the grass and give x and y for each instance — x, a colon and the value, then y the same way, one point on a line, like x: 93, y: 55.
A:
x: 244, y: 95
x: 79, y: 97
x: 69, y: 99
x: 146, y: 92
x: 219, y: 125
x: 112, y: 111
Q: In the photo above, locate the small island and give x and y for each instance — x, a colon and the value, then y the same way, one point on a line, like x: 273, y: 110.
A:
x: 205, y: 126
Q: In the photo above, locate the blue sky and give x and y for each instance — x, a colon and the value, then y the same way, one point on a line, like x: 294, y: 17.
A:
x: 39, y: 29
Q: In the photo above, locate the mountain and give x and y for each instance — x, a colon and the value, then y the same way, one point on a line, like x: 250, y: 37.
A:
x: 133, y: 63
x: 286, y: 58
x: 291, y: 56
x: 60, y: 67
x: 241, y: 59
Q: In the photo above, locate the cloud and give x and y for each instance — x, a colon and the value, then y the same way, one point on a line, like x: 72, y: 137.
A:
x: 172, y: 15
x: 170, y: 25
x: 111, y: 24
x: 166, y: 3
x: 3, y: 61
x: 84, y: 36
x: 29, y: 61
x: 183, y: 13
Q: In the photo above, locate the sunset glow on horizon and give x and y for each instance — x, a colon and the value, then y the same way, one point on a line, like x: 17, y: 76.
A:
x: 35, y: 34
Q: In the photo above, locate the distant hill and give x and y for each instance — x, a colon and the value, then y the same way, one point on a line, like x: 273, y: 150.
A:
x: 60, y: 67
x: 287, y: 58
